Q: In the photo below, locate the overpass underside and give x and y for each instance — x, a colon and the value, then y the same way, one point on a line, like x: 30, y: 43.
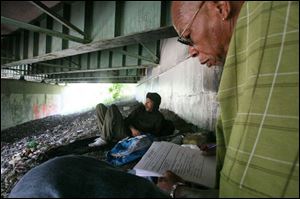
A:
x: 85, y: 41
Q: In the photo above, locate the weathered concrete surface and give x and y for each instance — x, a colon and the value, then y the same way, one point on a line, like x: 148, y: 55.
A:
x: 186, y: 87
x: 22, y: 101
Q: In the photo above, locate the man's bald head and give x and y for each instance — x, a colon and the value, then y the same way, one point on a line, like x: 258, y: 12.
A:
x: 182, y: 12
x: 206, y: 26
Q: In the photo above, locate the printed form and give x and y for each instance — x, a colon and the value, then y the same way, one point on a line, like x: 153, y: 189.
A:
x: 187, y: 163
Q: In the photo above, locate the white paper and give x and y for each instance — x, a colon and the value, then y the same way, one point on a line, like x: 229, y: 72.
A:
x: 187, y: 163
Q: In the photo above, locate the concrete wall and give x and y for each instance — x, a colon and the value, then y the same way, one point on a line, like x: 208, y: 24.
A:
x: 187, y: 88
x: 22, y: 101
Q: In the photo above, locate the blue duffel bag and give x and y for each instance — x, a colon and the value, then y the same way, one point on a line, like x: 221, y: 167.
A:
x: 129, y: 149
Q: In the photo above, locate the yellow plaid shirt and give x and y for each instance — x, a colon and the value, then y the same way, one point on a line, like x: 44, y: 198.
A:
x: 258, y: 125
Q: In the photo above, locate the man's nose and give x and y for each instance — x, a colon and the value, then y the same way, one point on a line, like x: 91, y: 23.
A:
x: 193, y: 51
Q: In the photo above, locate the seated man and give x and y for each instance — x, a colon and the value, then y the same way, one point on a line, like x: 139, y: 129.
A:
x: 145, y: 119
x: 81, y: 176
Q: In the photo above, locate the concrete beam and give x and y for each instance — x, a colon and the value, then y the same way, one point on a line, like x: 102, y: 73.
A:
x: 151, y: 35
x: 8, y: 58
x: 54, y: 65
x: 14, y: 69
x: 156, y: 59
x: 55, y: 16
x: 94, y: 70
x: 101, y: 81
x: 124, y: 52
x: 87, y: 78
x: 72, y: 62
x: 20, y: 24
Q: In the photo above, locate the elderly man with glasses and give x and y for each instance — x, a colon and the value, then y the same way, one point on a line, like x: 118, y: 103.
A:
x: 258, y: 126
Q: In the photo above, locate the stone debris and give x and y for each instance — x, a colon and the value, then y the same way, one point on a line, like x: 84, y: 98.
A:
x: 18, y: 157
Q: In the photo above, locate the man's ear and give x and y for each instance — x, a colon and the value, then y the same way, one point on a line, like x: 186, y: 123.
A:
x: 223, y: 8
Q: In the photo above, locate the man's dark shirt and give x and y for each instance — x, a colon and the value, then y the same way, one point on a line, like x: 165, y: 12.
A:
x: 145, y: 122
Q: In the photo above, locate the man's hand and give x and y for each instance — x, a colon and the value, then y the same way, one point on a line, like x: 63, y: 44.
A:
x: 208, y: 149
x: 166, y: 182
x: 134, y: 132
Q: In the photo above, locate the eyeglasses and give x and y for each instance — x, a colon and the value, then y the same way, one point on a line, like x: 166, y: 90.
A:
x: 188, y: 41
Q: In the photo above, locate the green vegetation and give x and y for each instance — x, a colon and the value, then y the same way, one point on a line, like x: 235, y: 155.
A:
x: 32, y: 144
x: 120, y: 92
x: 115, y: 90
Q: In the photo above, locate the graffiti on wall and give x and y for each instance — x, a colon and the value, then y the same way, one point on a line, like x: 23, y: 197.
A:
x: 44, y: 110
